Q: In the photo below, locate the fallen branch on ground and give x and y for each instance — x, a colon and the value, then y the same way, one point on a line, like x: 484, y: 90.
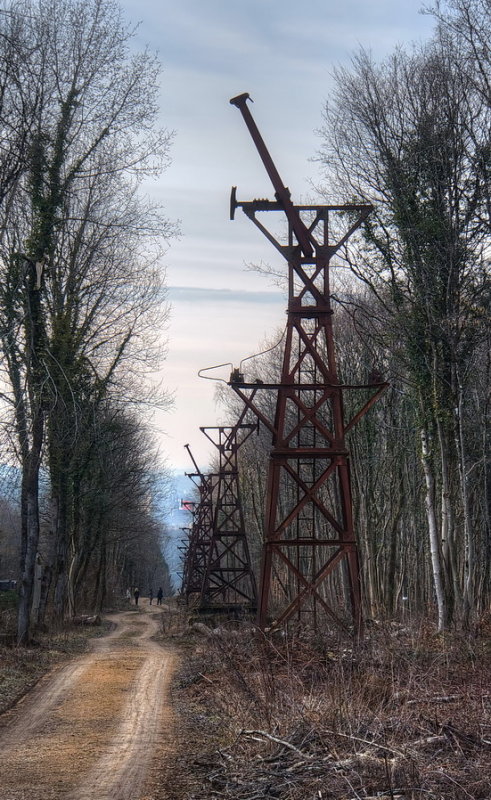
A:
x: 254, y: 734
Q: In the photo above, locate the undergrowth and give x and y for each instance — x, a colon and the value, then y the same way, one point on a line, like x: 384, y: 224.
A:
x: 407, y: 714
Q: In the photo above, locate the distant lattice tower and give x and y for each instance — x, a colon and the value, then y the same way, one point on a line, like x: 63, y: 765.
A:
x: 310, y: 556
x: 200, y: 537
x: 229, y: 580
x: 184, y: 551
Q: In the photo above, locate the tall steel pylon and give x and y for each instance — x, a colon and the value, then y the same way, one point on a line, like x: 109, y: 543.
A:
x: 201, y: 534
x: 229, y: 580
x: 310, y: 555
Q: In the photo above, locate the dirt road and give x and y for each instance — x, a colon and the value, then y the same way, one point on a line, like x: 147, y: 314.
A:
x: 89, y: 730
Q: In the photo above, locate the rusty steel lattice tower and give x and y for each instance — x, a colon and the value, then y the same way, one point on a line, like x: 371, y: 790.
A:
x: 200, y: 537
x: 229, y: 580
x: 310, y: 557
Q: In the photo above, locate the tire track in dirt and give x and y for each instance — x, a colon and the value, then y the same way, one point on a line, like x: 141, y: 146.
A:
x: 130, y: 751
x: 89, y: 730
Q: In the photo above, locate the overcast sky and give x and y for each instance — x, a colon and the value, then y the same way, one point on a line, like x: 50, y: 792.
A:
x: 282, y: 52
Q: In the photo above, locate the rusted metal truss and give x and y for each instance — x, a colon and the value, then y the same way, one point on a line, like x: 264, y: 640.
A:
x: 183, y: 548
x: 310, y: 557
x: 229, y: 579
x: 198, y: 546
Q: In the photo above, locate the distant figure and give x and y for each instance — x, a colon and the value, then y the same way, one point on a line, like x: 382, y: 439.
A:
x: 128, y: 594
x: 160, y: 595
x: 150, y: 596
x: 136, y: 595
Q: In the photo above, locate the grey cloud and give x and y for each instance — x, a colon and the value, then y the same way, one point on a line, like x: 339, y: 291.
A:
x: 197, y: 294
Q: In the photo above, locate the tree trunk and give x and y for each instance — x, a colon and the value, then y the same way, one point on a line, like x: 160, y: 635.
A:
x: 435, y: 549
x: 469, y: 557
x: 100, y: 594
x: 449, y: 544
x: 30, y: 528
x: 43, y: 596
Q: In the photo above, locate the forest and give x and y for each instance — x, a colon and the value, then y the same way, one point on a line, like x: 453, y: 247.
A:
x: 82, y: 301
x: 162, y: 700
x: 411, y: 302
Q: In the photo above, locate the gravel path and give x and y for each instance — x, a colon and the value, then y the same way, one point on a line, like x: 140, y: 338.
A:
x: 88, y: 731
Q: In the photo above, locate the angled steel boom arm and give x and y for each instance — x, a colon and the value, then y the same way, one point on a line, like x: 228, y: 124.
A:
x: 281, y: 191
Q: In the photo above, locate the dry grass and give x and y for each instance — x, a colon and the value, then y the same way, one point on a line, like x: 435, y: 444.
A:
x: 405, y: 715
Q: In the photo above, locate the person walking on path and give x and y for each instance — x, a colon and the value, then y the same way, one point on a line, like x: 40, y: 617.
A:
x: 150, y: 596
x: 160, y: 595
x: 136, y: 595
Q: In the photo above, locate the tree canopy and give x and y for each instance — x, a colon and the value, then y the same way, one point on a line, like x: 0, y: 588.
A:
x: 82, y: 288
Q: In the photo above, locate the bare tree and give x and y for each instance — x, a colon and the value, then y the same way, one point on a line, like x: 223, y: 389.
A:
x: 406, y: 136
x: 19, y: 99
x: 78, y: 294
x: 116, y: 538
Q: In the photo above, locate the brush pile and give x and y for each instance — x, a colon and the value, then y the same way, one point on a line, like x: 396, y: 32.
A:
x: 407, y: 715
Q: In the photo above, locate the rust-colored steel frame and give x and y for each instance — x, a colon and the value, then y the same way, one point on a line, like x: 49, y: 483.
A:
x: 310, y: 554
x: 229, y: 579
x: 201, y: 533
x: 183, y: 548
